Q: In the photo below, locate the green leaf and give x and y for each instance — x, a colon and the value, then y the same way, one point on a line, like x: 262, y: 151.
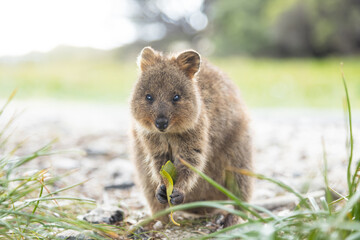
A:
x: 168, y: 182
x: 168, y: 173
x: 170, y: 169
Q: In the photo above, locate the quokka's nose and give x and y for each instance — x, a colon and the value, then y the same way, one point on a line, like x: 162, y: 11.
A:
x: 161, y: 123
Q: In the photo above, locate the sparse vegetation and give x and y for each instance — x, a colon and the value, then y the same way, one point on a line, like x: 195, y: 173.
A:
x: 30, y: 207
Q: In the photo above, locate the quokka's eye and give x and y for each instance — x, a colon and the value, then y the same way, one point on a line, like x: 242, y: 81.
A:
x: 176, y: 98
x: 149, y: 97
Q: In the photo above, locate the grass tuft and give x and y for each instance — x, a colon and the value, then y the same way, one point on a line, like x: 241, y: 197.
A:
x: 28, y: 208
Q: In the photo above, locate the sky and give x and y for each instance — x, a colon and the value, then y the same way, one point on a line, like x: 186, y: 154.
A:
x: 41, y: 25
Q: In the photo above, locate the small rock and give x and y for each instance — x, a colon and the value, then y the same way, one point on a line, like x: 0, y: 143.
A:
x: 65, y: 163
x: 131, y: 220
x: 159, y: 236
x: 264, y: 193
x: 209, y: 224
x: 220, y: 218
x: 121, y: 172
x: 178, y: 218
x: 138, y: 234
x: 297, y: 174
x: 158, y: 225
x: 120, y: 186
x: 74, y: 235
x: 106, y: 214
x: 132, y: 228
x: 284, y: 213
x: 206, y: 231
x: 95, y: 152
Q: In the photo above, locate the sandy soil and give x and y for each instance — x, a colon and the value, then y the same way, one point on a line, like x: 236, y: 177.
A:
x: 287, y: 146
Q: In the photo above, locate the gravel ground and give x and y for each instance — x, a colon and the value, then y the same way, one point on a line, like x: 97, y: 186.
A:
x: 287, y: 146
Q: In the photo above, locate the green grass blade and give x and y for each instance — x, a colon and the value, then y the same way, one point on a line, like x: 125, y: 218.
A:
x: 351, y: 140
x: 65, y: 188
x: 314, y: 204
x: 62, y: 223
x: 356, y: 176
x: 37, y: 203
x: 44, y: 151
x: 60, y: 198
x: 210, y: 204
x: 325, y: 173
x: 324, y: 204
x: 262, y: 209
x: 12, y: 95
x: 349, y: 225
x: 304, y: 214
x: 222, y: 189
x: 348, y: 206
x: 275, y: 181
x: 354, y: 236
x: 215, y: 234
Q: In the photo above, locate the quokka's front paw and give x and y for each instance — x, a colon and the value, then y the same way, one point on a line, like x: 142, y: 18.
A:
x: 176, y: 197
x: 161, y: 194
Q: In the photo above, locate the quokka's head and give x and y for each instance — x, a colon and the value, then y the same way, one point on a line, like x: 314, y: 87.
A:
x: 166, y: 96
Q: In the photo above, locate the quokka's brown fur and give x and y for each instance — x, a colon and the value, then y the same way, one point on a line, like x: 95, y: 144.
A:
x: 207, y: 126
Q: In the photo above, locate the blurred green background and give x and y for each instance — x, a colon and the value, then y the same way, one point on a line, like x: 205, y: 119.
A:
x: 281, y: 53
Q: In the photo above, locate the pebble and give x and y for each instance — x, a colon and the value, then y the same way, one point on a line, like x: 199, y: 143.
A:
x: 74, y: 235
x: 64, y: 163
x: 104, y: 214
x: 158, y: 225
x: 219, y: 219
x: 131, y: 220
x: 209, y: 224
x: 138, y: 233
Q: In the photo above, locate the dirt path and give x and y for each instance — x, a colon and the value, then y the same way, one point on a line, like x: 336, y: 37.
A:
x: 287, y: 146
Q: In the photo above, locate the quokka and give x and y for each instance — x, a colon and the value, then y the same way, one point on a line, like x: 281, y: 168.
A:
x: 184, y: 107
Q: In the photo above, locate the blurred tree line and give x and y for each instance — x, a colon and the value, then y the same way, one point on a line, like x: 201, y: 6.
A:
x: 257, y: 27
x: 287, y: 27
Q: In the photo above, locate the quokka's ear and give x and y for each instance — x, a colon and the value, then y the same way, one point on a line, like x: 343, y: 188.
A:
x: 147, y: 58
x: 189, y: 62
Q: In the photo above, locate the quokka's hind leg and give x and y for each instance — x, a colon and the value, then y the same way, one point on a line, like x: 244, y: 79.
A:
x: 229, y: 220
x: 239, y: 155
x: 241, y: 185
